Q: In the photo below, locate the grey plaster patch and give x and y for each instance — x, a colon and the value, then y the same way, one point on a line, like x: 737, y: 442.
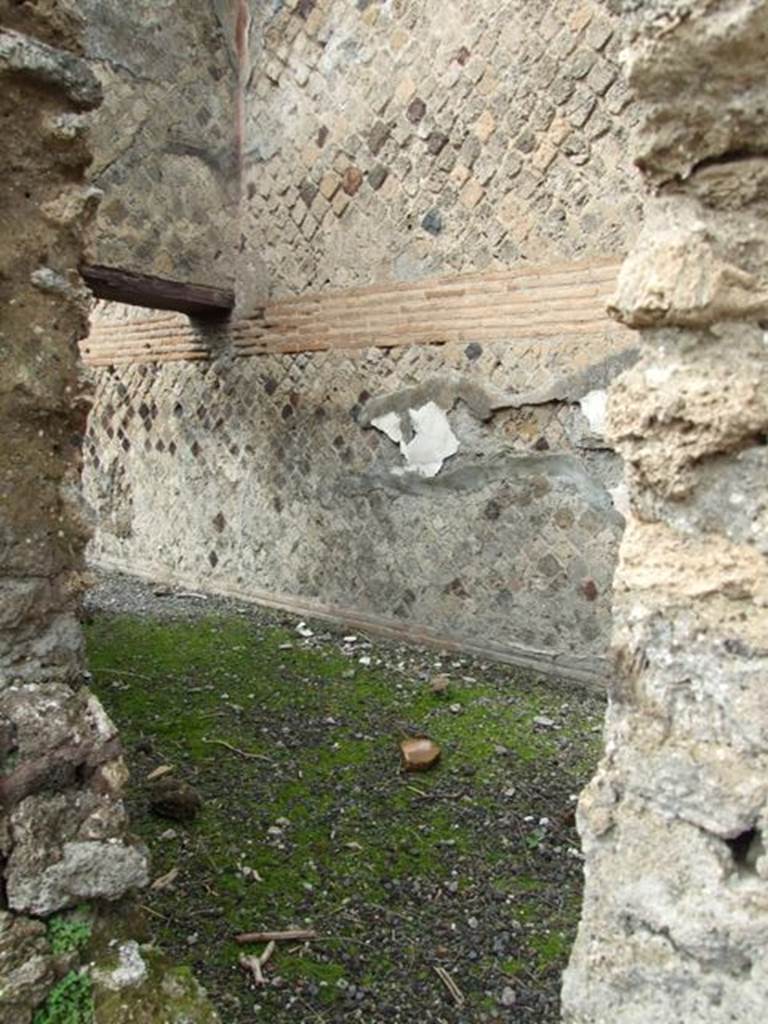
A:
x: 574, y: 387
x: 565, y: 471
x: 442, y: 391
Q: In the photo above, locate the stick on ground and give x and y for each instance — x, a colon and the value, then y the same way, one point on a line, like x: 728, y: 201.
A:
x: 237, y: 750
x: 292, y: 935
x: 450, y: 984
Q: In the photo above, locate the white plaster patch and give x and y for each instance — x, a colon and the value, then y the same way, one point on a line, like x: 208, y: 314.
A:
x: 432, y: 443
x: 620, y: 498
x: 389, y: 424
x: 593, y: 408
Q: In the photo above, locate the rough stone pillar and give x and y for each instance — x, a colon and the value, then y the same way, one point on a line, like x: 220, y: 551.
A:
x: 61, y: 817
x: 675, y: 823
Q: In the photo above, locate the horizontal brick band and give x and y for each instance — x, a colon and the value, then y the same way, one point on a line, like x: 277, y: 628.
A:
x: 561, y: 300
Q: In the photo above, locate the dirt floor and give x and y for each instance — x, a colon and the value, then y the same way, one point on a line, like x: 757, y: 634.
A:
x: 290, y: 733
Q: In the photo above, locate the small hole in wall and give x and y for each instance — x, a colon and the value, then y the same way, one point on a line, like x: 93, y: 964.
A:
x: 745, y: 848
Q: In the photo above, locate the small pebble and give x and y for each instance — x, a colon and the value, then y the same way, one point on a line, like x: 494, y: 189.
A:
x: 508, y: 996
x: 544, y: 721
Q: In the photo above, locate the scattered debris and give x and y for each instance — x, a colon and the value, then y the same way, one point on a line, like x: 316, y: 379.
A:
x: 158, y: 773
x: 291, y: 935
x: 455, y: 709
x: 303, y: 630
x: 419, y: 753
x: 372, y: 901
x: 450, y: 984
x: 250, y: 873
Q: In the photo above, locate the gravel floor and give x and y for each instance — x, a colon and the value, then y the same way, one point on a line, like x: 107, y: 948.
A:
x: 468, y: 874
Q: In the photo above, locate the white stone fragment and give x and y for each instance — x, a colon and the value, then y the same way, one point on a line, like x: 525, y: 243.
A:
x: 131, y: 968
x: 593, y: 409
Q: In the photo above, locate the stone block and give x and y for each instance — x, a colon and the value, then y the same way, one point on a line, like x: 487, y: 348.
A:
x: 471, y: 193
x: 484, y: 126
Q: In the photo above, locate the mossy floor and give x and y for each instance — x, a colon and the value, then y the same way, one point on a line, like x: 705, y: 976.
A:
x: 472, y: 867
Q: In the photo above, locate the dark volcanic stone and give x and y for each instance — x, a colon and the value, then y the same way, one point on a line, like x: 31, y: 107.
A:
x: 174, y: 799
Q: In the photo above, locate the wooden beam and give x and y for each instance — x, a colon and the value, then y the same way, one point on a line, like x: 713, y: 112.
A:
x: 196, y: 300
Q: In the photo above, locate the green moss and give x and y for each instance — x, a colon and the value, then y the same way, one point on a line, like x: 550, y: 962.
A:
x: 321, y: 733
x: 168, y: 994
x: 68, y: 933
x: 551, y: 948
x: 69, y: 1002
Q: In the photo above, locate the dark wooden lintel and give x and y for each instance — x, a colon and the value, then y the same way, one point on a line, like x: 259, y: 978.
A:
x: 196, y: 300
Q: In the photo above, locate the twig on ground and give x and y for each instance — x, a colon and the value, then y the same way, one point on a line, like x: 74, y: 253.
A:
x: 155, y: 913
x: 165, y: 880
x: 124, y: 672
x: 450, y: 984
x: 268, y: 951
x: 237, y: 750
x: 252, y: 964
x: 291, y: 935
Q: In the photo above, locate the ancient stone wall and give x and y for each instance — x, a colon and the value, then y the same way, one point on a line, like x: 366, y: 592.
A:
x: 384, y: 144
x: 298, y: 480
x: 396, y: 139
x: 61, y: 817
x: 674, y: 824
x: 165, y: 137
